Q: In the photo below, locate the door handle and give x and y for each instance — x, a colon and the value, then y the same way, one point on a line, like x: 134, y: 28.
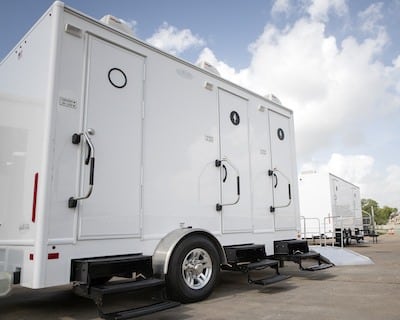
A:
x: 226, y: 173
x: 218, y: 163
x: 90, y: 160
x: 272, y: 174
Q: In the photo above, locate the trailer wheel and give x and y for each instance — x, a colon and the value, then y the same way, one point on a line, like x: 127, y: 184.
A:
x: 193, y: 270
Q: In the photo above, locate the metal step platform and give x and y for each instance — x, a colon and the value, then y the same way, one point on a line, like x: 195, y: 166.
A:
x: 134, y: 274
x: 297, y: 251
x: 270, y: 280
x: 141, y: 311
x: 252, y: 257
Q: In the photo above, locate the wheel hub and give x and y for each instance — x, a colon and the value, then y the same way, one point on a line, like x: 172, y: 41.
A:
x: 197, y: 268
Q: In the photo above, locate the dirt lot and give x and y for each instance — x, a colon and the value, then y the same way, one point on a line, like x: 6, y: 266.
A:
x: 367, y: 292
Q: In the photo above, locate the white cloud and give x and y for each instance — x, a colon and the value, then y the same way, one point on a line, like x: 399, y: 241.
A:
x: 330, y: 86
x: 371, y: 17
x: 337, y: 91
x: 383, y: 187
x: 131, y: 24
x: 224, y: 69
x: 173, y: 40
x: 396, y: 62
x: 361, y: 170
x: 281, y: 6
x: 353, y: 168
x: 319, y: 10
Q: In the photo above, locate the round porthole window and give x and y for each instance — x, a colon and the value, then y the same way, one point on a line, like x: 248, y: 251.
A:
x: 117, y: 78
x: 281, y: 134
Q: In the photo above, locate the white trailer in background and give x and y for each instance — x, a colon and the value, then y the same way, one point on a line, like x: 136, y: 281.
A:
x: 328, y: 202
x: 118, y: 159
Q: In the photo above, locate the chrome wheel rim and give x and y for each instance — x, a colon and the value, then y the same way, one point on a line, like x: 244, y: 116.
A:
x: 197, y: 268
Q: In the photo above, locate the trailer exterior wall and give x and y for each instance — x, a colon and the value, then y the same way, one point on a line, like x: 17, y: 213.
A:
x: 331, y: 199
x: 159, y: 124
x: 315, y: 203
x: 26, y: 88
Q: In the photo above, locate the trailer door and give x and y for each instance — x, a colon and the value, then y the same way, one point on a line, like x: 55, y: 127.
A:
x: 281, y: 173
x: 234, y: 166
x: 113, y: 123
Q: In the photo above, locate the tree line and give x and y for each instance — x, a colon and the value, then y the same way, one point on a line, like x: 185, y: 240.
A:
x: 381, y: 214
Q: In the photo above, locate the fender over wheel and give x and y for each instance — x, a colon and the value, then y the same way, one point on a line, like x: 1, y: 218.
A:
x: 193, y: 270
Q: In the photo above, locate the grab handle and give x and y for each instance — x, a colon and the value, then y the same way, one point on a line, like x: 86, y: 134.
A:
x: 73, y: 201
x: 272, y: 173
x: 218, y: 164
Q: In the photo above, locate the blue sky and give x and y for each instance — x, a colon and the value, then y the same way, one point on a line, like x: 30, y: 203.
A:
x: 336, y: 63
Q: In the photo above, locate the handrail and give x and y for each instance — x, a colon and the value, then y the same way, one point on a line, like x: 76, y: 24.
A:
x: 272, y: 173
x: 218, y: 164
x: 73, y: 201
x: 305, y: 229
x: 341, y: 219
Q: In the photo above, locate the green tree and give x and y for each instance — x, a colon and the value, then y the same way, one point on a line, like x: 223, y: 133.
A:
x: 381, y: 214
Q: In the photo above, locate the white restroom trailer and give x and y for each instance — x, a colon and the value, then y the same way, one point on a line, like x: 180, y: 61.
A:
x: 328, y: 202
x: 110, y: 147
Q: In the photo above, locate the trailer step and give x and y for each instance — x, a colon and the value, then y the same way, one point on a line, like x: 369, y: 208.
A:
x: 262, y: 264
x: 141, y: 311
x: 98, y: 292
x: 307, y: 255
x: 125, y: 286
x: 300, y: 257
x: 270, y: 280
x: 244, y: 253
x: 86, y: 270
x: 318, y: 267
x: 252, y: 257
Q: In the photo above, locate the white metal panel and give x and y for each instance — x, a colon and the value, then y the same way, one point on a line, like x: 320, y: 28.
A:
x: 23, y: 90
x: 281, y: 138
x: 235, y: 162
x: 334, y: 201
x: 263, y: 219
x: 114, y: 105
x: 181, y: 144
x: 315, y: 203
x: 68, y: 109
x: 346, y: 203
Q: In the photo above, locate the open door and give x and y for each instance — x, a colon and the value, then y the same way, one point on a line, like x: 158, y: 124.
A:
x: 111, y: 143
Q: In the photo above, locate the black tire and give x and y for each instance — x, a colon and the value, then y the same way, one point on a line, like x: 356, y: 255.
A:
x: 204, y: 272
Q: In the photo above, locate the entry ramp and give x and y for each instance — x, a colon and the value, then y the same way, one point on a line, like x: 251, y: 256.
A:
x: 342, y: 256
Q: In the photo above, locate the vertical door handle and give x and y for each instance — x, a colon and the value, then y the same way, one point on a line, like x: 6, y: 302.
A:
x: 90, y: 160
x: 226, y: 173
x: 218, y: 163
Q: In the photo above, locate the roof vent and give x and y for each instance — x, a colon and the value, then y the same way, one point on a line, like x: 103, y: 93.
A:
x: 273, y: 98
x: 209, y: 67
x: 117, y: 24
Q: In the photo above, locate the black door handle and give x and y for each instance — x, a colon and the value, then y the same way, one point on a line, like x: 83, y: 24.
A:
x: 276, y: 180
x: 226, y: 173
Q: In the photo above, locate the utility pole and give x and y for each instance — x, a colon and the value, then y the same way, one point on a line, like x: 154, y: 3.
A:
x: 373, y: 219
